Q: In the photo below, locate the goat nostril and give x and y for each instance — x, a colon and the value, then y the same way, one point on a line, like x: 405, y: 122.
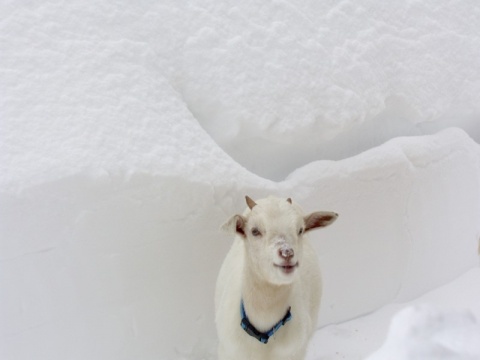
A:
x: 286, y: 254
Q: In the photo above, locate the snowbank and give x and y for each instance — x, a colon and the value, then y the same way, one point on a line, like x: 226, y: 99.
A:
x: 96, y: 260
x: 357, y: 339
x: 119, y: 125
x: 124, y: 86
x: 429, y: 333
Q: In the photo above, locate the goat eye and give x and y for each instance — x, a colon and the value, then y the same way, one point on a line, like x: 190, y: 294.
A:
x: 256, y: 232
x: 300, y: 232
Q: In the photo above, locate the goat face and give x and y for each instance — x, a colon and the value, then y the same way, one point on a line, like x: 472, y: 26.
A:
x: 273, y: 230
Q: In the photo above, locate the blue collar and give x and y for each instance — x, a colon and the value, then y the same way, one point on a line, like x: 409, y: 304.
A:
x: 261, y: 336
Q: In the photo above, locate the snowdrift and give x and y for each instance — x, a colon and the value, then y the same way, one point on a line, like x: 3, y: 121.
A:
x: 441, y: 324
x: 104, y: 266
x: 425, y: 332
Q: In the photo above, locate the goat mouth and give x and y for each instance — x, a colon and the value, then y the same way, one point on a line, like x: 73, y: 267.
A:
x: 287, y: 268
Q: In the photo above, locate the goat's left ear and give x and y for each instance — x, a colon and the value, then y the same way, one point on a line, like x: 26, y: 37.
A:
x: 235, y: 224
x: 319, y: 219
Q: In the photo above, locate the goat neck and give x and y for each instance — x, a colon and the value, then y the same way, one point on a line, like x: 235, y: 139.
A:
x: 265, y: 303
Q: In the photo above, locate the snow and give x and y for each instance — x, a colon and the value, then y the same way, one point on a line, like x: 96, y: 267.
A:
x: 450, y: 308
x: 425, y: 333
x: 130, y: 132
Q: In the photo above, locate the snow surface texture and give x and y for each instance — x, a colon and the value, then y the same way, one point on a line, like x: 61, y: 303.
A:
x: 119, y: 122
x: 124, y: 86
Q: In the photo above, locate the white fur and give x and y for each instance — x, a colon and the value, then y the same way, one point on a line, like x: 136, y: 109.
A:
x: 266, y: 235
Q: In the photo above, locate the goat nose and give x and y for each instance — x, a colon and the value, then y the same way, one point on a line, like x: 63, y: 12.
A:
x: 286, y: 253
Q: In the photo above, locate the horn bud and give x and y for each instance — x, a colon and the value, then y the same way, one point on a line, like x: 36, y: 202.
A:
x: 250, y: 202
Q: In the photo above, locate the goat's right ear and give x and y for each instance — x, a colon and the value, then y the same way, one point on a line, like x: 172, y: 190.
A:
x: 235, y: 224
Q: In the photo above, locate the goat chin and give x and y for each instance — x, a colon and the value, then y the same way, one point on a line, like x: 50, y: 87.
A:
x: 272, y: 268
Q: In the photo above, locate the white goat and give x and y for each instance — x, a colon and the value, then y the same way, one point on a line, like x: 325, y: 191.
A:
x: 268, y: 290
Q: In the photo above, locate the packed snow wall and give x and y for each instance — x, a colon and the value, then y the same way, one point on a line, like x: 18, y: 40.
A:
x: 108, y: 266
x: 130, y: 133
